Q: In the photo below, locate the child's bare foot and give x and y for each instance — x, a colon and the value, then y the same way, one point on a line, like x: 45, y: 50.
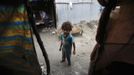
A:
x: 69, y: 64
x: 62, y: 61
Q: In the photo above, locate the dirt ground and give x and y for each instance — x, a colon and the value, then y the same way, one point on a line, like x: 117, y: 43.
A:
x: 80, y: 61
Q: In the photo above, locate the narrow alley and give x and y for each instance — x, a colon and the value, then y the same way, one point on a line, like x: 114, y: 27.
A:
x: 80, y: 61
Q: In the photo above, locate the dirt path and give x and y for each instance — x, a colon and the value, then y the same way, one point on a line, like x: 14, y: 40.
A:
x: 80, y: 61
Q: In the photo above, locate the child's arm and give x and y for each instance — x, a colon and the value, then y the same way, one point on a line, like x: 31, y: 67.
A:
x: 60, y: 46
x: 61, y: 42
x: 74, y: 51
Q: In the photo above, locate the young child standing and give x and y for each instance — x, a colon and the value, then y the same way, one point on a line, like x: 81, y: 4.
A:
x: 67, y: 41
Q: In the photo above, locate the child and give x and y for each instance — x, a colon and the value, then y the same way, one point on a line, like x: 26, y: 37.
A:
x: 66, y: 42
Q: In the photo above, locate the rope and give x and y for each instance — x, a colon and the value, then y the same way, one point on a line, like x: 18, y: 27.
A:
x: 31, y: 20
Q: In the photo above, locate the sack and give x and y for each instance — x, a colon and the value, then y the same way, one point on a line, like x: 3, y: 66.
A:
x: 91, y: 70
x: 94, y: 58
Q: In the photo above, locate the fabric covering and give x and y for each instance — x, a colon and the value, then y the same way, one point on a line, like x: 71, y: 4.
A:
x: 119, y: 38
x: 17, y: 54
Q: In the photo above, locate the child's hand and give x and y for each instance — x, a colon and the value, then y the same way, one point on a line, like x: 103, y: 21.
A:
x: 60, y: 49
x: 74, y: 52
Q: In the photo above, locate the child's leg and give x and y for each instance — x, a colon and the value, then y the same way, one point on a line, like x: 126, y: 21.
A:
x: 68, y: 55
x: 69, y: 59
x: 63, y: 55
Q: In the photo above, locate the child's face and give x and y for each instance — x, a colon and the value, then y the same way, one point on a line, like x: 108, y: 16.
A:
x: 66, y: 32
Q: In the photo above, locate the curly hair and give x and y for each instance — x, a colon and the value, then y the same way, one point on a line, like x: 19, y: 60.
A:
x: 67, y: 26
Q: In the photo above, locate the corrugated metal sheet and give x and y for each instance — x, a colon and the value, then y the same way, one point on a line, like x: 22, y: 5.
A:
x: 77, y: 12
x: 73, y: 0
